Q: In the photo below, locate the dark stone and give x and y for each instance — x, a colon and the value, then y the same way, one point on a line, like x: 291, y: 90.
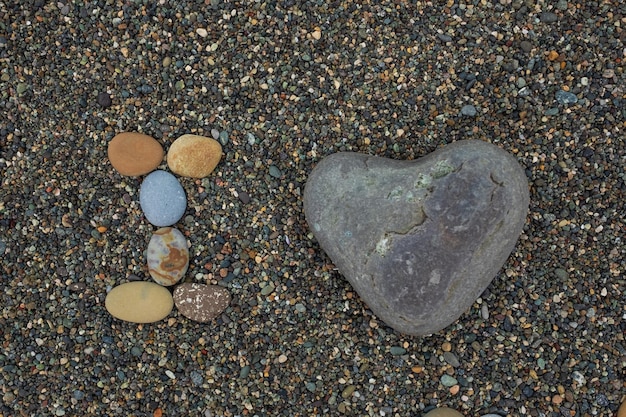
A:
x: 104, y: 99
x: 548, y: 17
x: 244, y: 197
x: 419, y: 240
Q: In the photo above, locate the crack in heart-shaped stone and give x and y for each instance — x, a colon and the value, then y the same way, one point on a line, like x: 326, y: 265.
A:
x: 419, y: 240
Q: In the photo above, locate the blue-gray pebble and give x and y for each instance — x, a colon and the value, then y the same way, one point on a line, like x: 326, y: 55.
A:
x: 565, y: 97
x: 162, y: 199
x: 468, y: 110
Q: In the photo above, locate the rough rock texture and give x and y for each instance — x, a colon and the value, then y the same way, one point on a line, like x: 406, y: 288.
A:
x: 201, y: 302
x: 419, y: 240
x: 194, y: 156
x: 168, y: 256
x: 133, y: 154
x: 139, y: 302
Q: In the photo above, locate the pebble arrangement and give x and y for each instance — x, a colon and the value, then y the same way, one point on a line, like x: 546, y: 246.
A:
x: 163, y: 202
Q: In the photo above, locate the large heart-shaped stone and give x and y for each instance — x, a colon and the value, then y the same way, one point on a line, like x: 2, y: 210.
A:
x: 419, y: 240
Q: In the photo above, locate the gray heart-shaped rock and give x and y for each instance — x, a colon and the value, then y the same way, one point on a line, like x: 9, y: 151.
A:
x: 419, y: 240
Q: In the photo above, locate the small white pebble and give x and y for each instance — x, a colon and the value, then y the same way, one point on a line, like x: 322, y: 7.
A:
x: 170, y: 374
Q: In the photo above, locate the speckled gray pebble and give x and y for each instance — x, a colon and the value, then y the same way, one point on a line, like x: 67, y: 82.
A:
x: 565, y: 97
x: 200, y: 302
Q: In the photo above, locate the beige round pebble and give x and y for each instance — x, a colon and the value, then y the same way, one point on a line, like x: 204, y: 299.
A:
x: 201, y: 302
x: 194, y: 156
x: 443, y: 412
x: 139, y: 302
x: 134, y: 154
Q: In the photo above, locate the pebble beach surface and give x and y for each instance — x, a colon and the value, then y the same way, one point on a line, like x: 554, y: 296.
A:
x: 280, y: 85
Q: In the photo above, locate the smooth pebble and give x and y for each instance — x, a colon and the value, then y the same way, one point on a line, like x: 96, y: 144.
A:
x: 162, y: 199
x: 448, y: 381
x: 201, y: 302
x: 194, y: 156
x: 168, y: 256
x: 443, y: 412
x: 139, y: 302
x: 133, y: 154
x: 468, y: 110
x: 565, y: 97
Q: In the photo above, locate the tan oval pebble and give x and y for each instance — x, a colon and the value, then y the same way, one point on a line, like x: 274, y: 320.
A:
x: 201, y: 302
x: 194, y: 156
x: 443, y: 412
x: 622, y: 409
x: 134, y: 154
x: 168, y: 256
x: 139, y: 302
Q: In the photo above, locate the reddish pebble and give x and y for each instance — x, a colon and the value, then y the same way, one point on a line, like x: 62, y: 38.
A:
x: 134, y: 154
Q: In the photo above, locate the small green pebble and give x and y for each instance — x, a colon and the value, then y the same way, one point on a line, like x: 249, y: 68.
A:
x: 348, y: 391
x: 561, y: 273
x: 223, y: 137
x: 21, y: 88
x: 448, y: 381
x: 267, y: 290
x: 397, y: 350
x: 275, y: 172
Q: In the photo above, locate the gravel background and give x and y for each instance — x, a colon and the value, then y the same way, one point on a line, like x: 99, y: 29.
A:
x: 282, y: 84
